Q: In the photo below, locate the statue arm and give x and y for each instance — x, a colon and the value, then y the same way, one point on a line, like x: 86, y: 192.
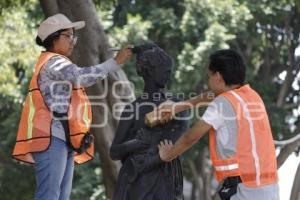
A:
x: 122, y: 145
x: 123, y: 150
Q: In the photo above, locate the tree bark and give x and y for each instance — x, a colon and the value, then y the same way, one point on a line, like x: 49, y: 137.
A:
x: 49, y: 7
x: 197, y: 182
x: 193, y: 191
x: 201, y: 176
x: 92, y: 48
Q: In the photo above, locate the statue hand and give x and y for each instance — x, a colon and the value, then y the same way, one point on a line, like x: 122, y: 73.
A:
x: 146, y: 162
x: 140, y: 145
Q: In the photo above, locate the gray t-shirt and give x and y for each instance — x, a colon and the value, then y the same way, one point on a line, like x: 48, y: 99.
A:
x: 56, y: 79
x: 221, y: 116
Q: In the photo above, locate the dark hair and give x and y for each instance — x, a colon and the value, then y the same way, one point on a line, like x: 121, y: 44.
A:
x: 48, y: 42
x: 230, y: 65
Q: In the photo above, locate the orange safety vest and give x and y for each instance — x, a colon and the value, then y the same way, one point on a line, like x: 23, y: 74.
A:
x: 255, y: 159
x: 34, y: 132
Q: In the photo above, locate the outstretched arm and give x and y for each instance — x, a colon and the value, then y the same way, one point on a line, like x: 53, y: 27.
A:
x: 200, y: 100
x: 167, y: 110
x: 61, y: 69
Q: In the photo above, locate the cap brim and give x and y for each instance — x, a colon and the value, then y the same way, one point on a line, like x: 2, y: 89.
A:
x: 77, y: 25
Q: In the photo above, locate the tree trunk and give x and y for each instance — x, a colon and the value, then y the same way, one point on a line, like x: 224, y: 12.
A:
x: 204, y: 172
x: 193, y: 191
x: 197, y: 182
x: 201, y: 176
x: 49, y: 7
x: 92, y: 48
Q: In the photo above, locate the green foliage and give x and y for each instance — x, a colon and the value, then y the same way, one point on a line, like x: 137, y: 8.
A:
x: 8, y: 4
x: 88, y: 181
x: 192, y: 61
x: 135, y: 32
x: 189, y: 31
x: 17, y: 59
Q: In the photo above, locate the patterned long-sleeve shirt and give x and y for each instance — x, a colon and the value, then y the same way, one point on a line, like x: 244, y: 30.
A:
x: 56, y: 79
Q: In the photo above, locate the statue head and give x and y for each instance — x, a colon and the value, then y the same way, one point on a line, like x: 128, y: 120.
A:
x: 153, y: 64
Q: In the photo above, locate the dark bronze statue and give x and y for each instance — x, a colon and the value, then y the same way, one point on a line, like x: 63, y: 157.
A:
x: 143, y: 175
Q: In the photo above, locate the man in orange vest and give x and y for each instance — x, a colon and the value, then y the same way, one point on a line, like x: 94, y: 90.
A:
x: 56, y: 118
x: 240, y: 137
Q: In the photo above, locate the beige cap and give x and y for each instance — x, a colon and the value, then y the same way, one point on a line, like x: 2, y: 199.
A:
x: 55, y: 23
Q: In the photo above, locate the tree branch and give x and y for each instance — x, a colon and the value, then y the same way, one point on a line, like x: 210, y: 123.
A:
x: 292, y: 32
x: 286, y: 151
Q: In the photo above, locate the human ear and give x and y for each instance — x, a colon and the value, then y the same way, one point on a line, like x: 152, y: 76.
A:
x: 55, y: 44
x: 219, y: 77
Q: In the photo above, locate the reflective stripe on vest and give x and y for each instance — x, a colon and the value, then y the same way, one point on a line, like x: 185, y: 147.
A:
x: 254, y: 152
x: 227, y: 167
x: 30, y: 116
x: 86, y: 115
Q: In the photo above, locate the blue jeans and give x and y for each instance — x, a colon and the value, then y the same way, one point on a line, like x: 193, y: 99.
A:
x: 54, y: 171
